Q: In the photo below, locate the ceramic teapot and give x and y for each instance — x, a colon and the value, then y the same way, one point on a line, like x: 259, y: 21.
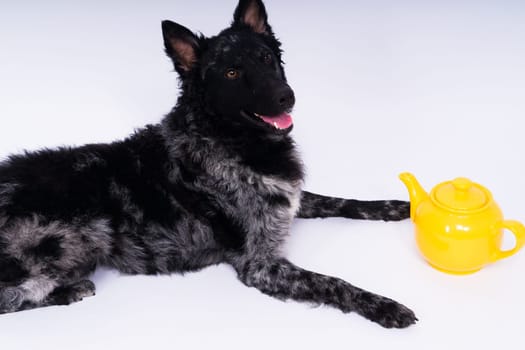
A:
x: 459, y: 227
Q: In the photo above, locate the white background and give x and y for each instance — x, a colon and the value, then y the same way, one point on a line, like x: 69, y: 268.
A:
x: 437, y: 88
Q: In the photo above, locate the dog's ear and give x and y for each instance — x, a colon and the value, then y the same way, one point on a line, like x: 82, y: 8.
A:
x: 182, y: 46
x: 252, y: 13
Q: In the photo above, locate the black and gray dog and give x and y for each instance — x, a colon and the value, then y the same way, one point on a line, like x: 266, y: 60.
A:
x: 217, y: 181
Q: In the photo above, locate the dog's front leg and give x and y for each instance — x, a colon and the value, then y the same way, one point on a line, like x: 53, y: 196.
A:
x: 280, y: 278
x: 317, y: 206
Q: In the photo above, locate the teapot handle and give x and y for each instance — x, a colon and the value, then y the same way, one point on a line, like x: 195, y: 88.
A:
x: 519, y: 232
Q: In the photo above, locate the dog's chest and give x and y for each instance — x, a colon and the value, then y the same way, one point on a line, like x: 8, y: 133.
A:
x: 245, y: 204
x: 262, y: 206
x: 252, y: 194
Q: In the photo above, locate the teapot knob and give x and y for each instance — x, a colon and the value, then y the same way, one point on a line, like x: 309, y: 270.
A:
x: 462, y: 184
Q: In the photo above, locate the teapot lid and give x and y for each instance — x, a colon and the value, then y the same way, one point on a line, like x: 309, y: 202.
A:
x: 461, y: 194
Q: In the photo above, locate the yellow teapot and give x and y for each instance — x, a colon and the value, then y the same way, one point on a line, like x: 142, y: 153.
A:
x: 459, y: 227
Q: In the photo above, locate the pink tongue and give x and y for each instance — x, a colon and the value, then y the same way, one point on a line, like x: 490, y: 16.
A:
x: 283, y: 121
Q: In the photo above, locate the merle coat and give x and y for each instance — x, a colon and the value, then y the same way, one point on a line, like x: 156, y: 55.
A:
x: 218, y: 180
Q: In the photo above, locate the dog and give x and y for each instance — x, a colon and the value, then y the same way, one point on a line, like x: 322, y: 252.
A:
x: 218, y: 180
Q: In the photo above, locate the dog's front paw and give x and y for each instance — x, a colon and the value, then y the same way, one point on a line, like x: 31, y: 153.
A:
x: 396, y: 211
x: 391, y: 314
x: 386, y: 312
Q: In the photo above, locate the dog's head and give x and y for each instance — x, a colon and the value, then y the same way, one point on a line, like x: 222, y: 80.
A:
x: 237, y: 76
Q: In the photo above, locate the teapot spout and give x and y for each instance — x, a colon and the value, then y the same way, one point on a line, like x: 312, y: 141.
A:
x: 416, y: 192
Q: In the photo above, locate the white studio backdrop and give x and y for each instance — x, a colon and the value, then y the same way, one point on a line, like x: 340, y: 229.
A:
x: 432, y: 87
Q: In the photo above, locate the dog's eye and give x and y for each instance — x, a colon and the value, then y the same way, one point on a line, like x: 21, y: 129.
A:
x: 232, y: 74
x: 268, y: 58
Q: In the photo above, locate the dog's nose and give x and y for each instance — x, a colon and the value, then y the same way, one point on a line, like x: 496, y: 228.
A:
x: 286, y: 98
